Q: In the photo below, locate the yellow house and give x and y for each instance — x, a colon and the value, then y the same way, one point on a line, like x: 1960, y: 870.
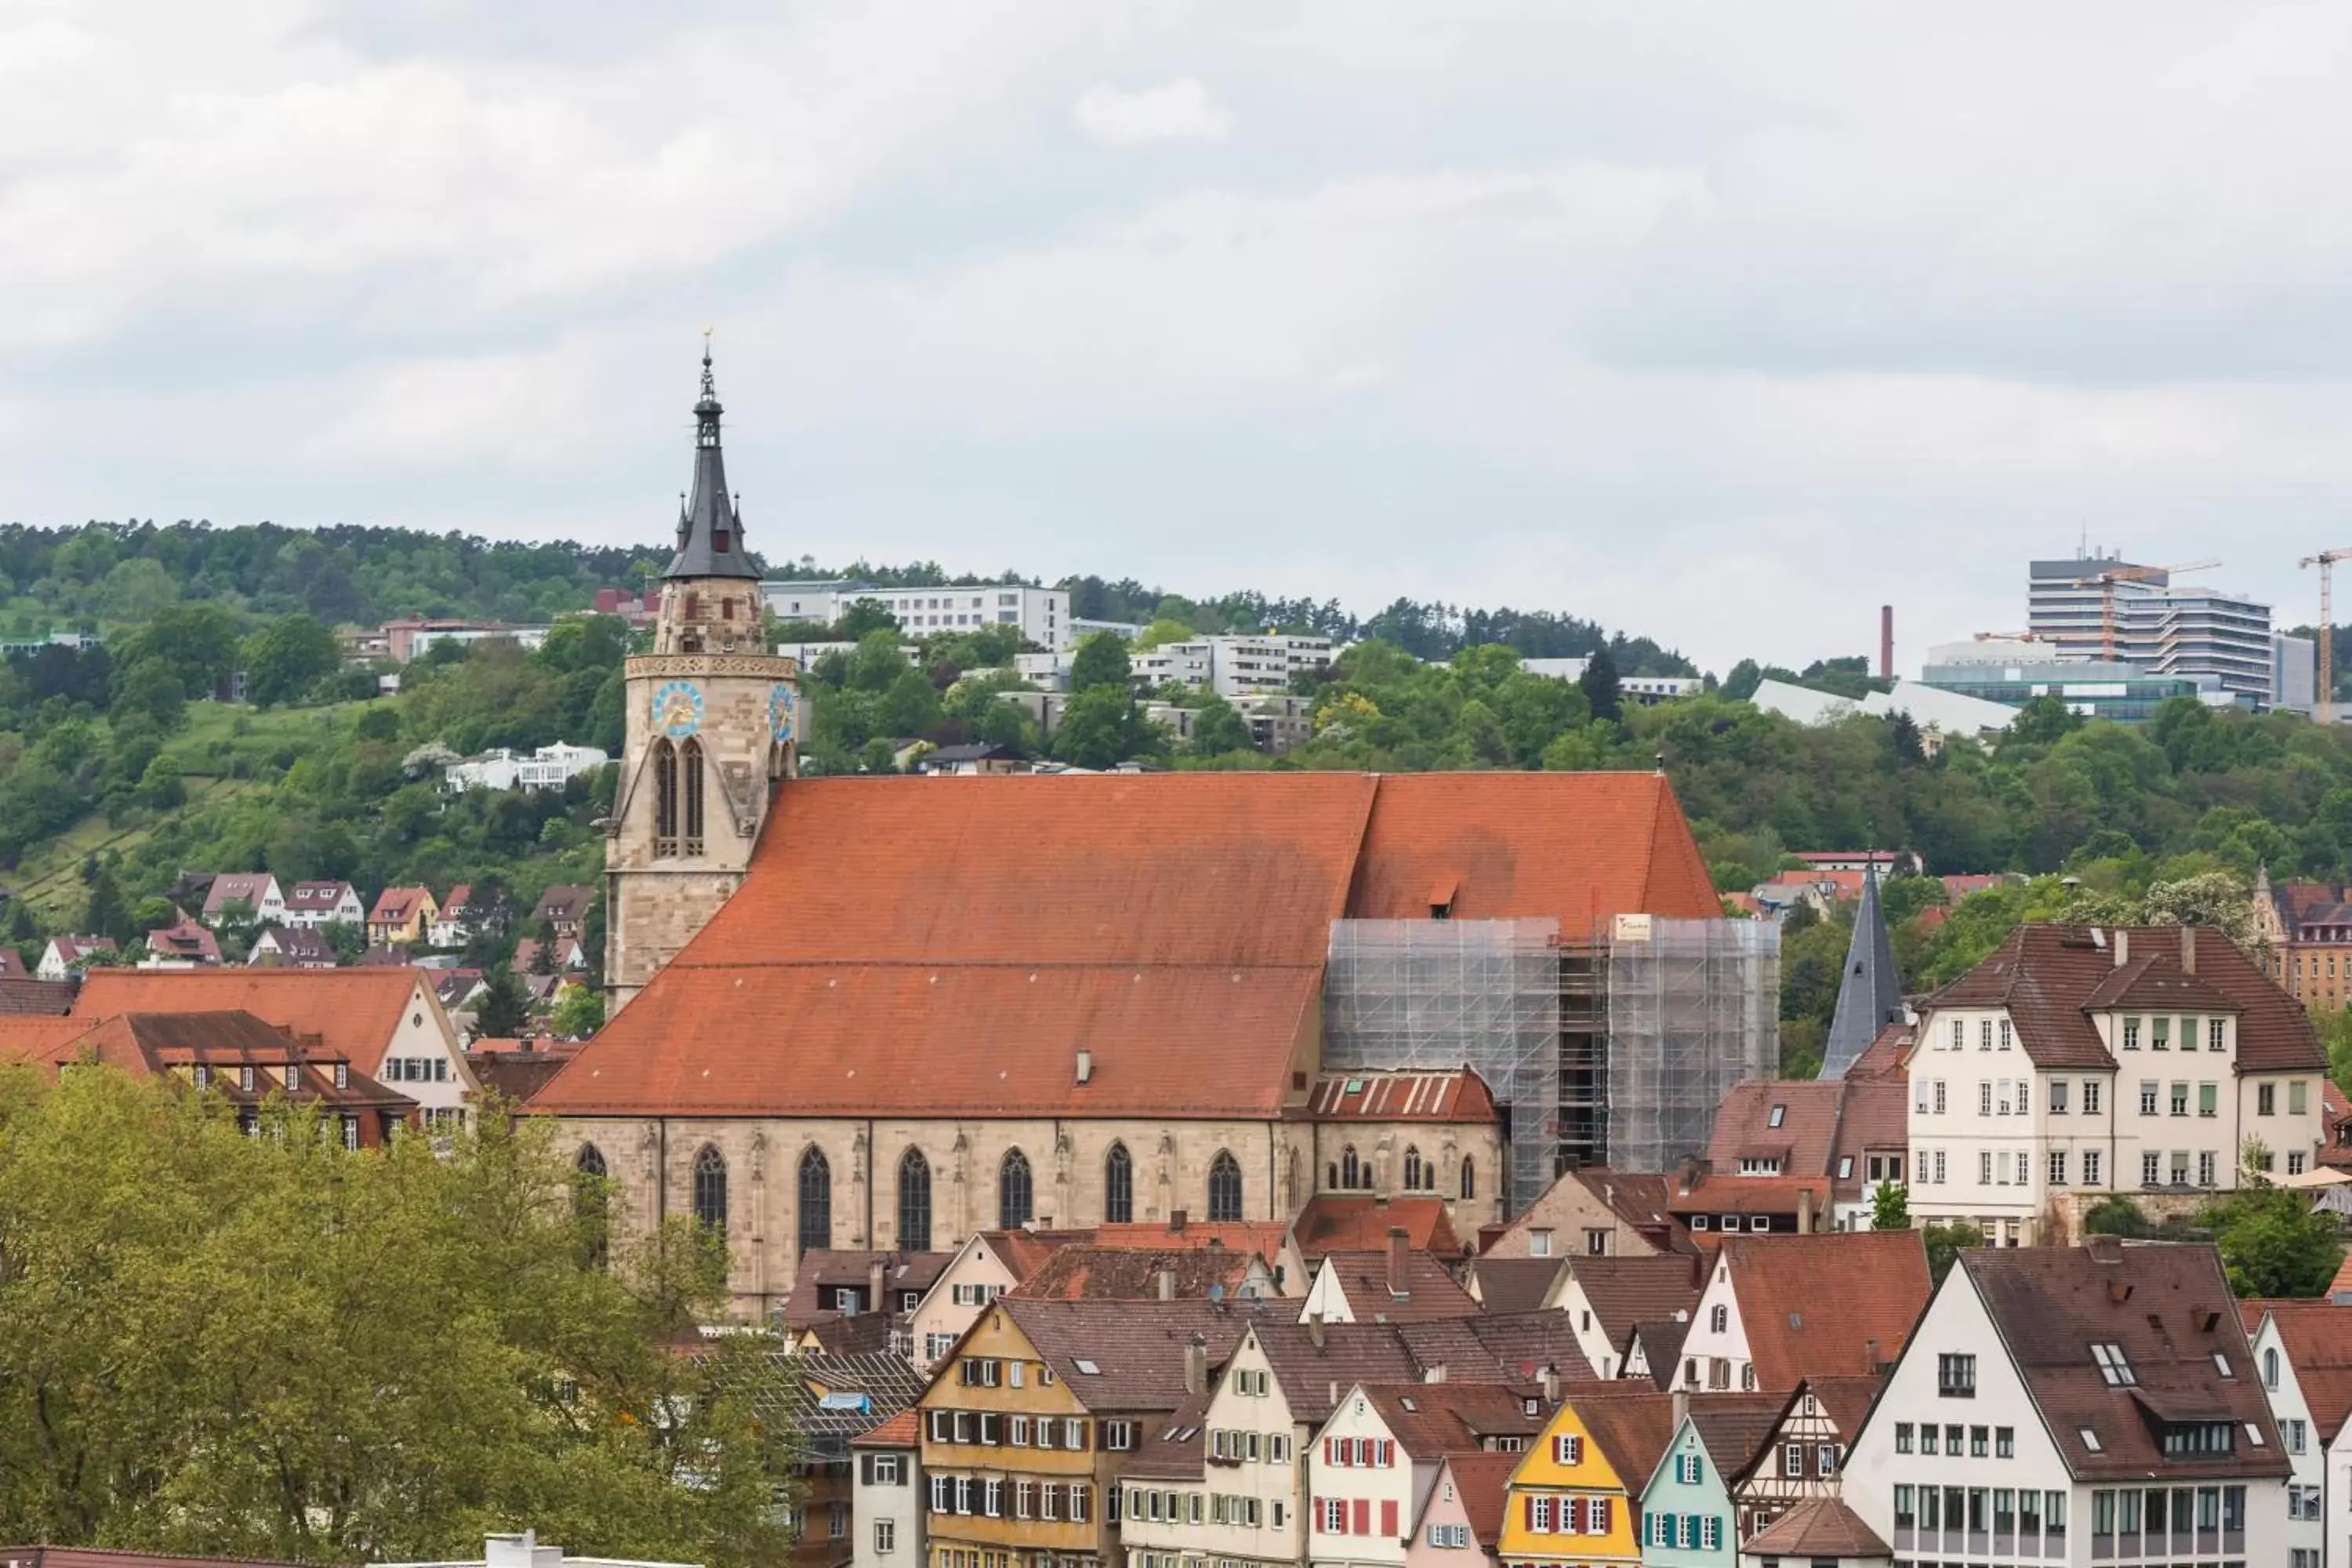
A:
x: 401, y: 916
x: 1576, y: 1498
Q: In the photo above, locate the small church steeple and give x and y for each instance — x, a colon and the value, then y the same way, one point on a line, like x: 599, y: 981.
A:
x: 710, y: 529
x: 1870, y: 993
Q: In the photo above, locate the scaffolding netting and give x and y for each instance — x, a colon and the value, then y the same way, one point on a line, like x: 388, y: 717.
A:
x: 1694, y: 1008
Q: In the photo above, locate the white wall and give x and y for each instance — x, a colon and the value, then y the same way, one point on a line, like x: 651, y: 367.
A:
x: 901, y: 1505
x: 2288, y: 1407
x: 1706, y: 1343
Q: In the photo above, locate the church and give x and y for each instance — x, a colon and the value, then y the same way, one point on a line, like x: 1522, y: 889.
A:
x: 882, y: 1013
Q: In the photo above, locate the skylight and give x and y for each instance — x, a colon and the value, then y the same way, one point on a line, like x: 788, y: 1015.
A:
x: 2113, y: 1366
x: 2090, y: 1438
x: 1780, y: 1114
x: 1409, y: 1403
x: 2254, y: 1435
x: 1083, y: 1365
x: 2222, y: 1363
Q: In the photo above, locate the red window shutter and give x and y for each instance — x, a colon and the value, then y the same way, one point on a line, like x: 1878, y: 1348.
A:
x: 1363, y: 1516
x: 1388, y: 1516
x: 1388, y: 1452
x: 1531, y: 1515
x: 1330, y: 1446
x: 1314, y: 1512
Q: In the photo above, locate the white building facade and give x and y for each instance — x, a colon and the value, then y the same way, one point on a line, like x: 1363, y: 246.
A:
x: 549, y: 767
x: 1042, y: 615
x: 1233, y: 667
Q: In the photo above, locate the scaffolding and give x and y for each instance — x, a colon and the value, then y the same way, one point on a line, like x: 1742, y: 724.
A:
x: 1614, y: 1049
x: 1450, y: 993
x: 1694, y: 1008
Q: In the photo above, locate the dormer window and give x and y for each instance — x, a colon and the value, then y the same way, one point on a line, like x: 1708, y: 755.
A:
x: 245, y: 1077
x: 342, y: 1075
x: 201, y: 1076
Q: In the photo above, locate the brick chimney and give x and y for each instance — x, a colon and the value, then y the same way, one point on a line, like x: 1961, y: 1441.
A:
x: 2123, y: 947
x: 877, y: 1275
x: 2188, y: 951
x: 1196, y: 1365
x: 1400, y: 1260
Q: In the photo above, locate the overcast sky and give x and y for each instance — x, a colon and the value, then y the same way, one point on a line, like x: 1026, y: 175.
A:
x: 1722, y: 324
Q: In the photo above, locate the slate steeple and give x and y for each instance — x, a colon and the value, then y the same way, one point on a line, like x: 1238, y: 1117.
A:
x: 709, y: 532
x: 1870, y: 992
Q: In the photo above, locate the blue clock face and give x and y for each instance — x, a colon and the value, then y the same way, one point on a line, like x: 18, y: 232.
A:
x: 677, y: 709
x: 783, y: 709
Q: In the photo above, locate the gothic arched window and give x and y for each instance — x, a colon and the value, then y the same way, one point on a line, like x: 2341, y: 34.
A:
x: 590, y: 1202
x: 817, y: 1202
x: 1119, y: 1186
x: 1469, y: 1177
x: 1015, y: 1196
x: 1225, y: 1190
x: 914, y: 1202
x: 1415, y: 1173
x: 1353, y: 1172
x: 665, y: 764
x: 711, y: 1188
x: 690, y: 766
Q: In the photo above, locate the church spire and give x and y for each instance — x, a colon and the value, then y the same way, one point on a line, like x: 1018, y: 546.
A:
x: 1869, y: 991
x: 709, y: 530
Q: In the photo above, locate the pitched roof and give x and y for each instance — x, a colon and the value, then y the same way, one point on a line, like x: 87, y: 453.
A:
x: 1824, y: 1304
x: 35, y: 998
x: 355, y: 1012
x: 248, y: 887
x: 303, y: 943
x: 1637, y: 1198
x: 398, y: 903
x: 186, y: 939
x: 1429, y: 1291
x: 316, y: 897
x: 1736, y: 1427
x: 1515, y: 1347
x: 1312, y: 1376
x: 1817, y: 1527
x: 904, y: 1430
x: 1090, y: 1272
x: 1886, y: 1058
x: 562, y: 902
x: 1870, y: 988
x: 1716, y: 1193
x: 1482, y: 1485
x: 2317, y: 1336
x: 1262, y: 1236
x: 1431, y: 1420
x: 1135, y: 1348
x: 514, y: 1077
x: 454, y: 904
x: 35, y: 1038
x: 1514, y: 1284
x: 1169, y: 1448
x: 2047, y: 976
x: 1845, y: 1400
x: 2169, y: 1310
x: 1632, y: 1429
x: 152, y: 1044
x: 1629, y: 1289
x: 1337, y: 1222
x: 1175, y: 925
x: 1661, y: 1341
x: 1366, y: 1095
x: 1807, y: 1111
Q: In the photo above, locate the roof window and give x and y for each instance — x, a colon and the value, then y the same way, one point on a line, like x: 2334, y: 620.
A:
x: 2113, y: 1366
x: 1086, y: 1366
x: 1780, y: 1114
x: 2090, y: 1438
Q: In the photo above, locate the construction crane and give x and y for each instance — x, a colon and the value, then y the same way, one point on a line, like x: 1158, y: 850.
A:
x: 2323, y: 703
x: 2106, y: 582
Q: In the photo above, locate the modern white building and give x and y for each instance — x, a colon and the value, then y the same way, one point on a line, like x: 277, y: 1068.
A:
x: 1042, y: 615
x: 2295, y: 672
x: 2076, y: 1405
x: 324, y: 903
x: 1641, y: 691
x: 2082, y: 1060
x: 549, y: 767
x: 2172, y: 629
x: 1233, y: 667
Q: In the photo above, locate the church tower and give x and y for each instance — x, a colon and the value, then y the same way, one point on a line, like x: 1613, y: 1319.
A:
x: 711, y: 722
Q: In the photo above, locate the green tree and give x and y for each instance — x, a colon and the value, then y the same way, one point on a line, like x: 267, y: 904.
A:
x: 1890, y: 1206
x: 579, y: 1012
x: 1600, y: 683
x: 1101, y: 660
x: 196, y: 642
x: 1217, y: 729
x: 864, y: 619
x: 1945, y: 1241
x: 1101, y: 727
x: 502, y: 1011
x: 2273, y: 1242
x: 2117, y: 1215
x: 151, y: 689
x: 106, y: 915
x: 1742, y: 683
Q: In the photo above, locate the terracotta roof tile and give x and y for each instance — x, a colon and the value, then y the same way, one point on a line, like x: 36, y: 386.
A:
x: 1816, y: 1528
x: 1136, y: 1348
x: 1630, y: 1288
x: 1434, y: 1420
x: 1740, y: 1194
x: 1312, y: 1376
x: 355, y: 1012
x: 35, y: 998
x: 1630, y: 1426
x: 1736, y: 1427
x: 1168, y: 1449
x: 1516, y: 1348
x: 1095, y: 1273
x: 1845, y: 1400
x: 1482, y: 1484
x: 1370, y: 1095
x: 1263, y: 1237
x: 1430, y: 1291
x: 1819, y: 1305
x: 1333, y: 1222
x: 2317, y: 1336
x: 1803, y: 1137
x: 1637, y: 1198
x: 1514, y: 1284
x: 904, y: 1430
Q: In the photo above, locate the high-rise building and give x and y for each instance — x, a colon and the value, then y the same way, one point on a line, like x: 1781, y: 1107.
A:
x: 2167, y: 628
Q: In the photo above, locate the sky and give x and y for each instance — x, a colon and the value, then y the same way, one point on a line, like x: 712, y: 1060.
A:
x: 1722, y: 324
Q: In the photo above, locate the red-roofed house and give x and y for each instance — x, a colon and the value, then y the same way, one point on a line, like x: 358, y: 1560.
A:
x: 2303, y: 1353
x: 185, y: 945
x: 402, y: 916
x: 66, y: 954
x: 1777, y: 1309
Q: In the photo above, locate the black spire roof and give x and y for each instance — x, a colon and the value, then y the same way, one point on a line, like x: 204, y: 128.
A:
x: 710, y: 535
x: 1870, y: 997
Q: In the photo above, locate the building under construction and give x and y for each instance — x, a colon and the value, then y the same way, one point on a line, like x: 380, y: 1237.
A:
x: 1610, y: 1046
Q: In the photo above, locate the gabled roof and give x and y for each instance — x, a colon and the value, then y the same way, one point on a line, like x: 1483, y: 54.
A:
x: 248, y: 887
x: 1174, y: 925
x: 1845, y: 1400
x: 1825, y: 1304
x: 1264, y: 1237
x: 454, y: 904
x: 1429, y: 1291
x: 399, y: 903
x: 154, y: 1044
x: 1482, y: 1485
x: 356, y: 1012
x: 1884, y: 1060
x: 1369, y: 1095
x: 35, y: 998
x: 1095, y: 1273
x: 904, y: 1430
x: 826, y: 1267
x: 1434, y: 1420
x: 1337, y: 1222
x: 186, y: 939
x: 1170, y: 1447
x: 1514, y: 1348
x: 2168, y: 1309
x: 1636, y: 1197
x: 1816, y: 1528
x: 2050, y: 978
x: 317, y: 896
x: 1312, y: 1376
x: 1135, y: 1348
x: 1631, y: 1430
x: 564, y: 903
x: 1661, y: 1341
x: 1735, y: 1428
x: 1514, y: 1284
x: 2317, y: 1336
x: 1630, y: 1288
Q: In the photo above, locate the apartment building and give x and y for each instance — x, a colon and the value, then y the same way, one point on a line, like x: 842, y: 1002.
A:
x: 2077, y: 1406
x: 1233, y: 667
x: 886, y: 1497
x: 1777, y: 1309
x: 1632, y: 691
x: 323, y: 904
x: 2303, y: 1353
x: 2160, y: 625
x: 2082, y: 1059
x: 2308, y: 929
x: 1042, y: 615
x: 549, y: 767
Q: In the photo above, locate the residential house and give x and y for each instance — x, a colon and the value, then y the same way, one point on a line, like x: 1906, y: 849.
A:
x: 66, y: 955
x: 1822, y: 1533
x: 1027, y: 1435
x: 1461, y: 1524
x: 1656, y: 1355
x: 972, y: 759
x: 1489, y: 1348
x: 1575, y: 1499
x: 2335, y: 1114
x: 1805, y: 1459
x: 291, y: 947
x: 452, y: 923
x: 1840, y: 1138
x: 2303, y: 1353
x: 566, y: 955
x: 987, y: 1265
x: 324, y: 904
x: 385, y: 1022
x: 247, y: 897
x: 1590, y: 1212
x: 887, y: 1504
x: 1608, y: 1296
x: 563, y: 907
x: 828, y: 1402
x: 2081, y: 1059
x: 1777, y: 1309
x: 515, y: 1070
x: 402, y: 917
x: 1270, y: 1239
x: 183, y: 945
x: 1372, y: 1466
x: 1396, y: 1284
x: 2306, y: 929
x: 1346, y: 1222
x: 844, y: 1298
x: 1687, y: 1516
x: 2082, y: 1404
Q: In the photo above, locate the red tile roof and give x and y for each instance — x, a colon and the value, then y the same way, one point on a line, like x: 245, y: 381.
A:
x: 1818, y: 1528
x: 2048, y: 977
x: 1630, y: 1288
x: 355, y: 1012
x: 1482, y: 1484
x: 1631, y: 1425
x: 398, y: 903
x: 1084, y: 1273
x: 2319, y: 1339
x: 1436, y: 1420
x: 1429, y: 1291
x: 948, y: 945
x: 1264, y: 1237
x: 904, y: 1430
x: 1334, y: 1221
x: 1821, y: 1305
x: 1753, y: 1194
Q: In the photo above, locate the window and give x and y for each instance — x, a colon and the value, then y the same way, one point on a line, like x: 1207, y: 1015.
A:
x: 711, y: 1188
x: 2057, y: 1167
x: 2213, y: 1035
x: 1119, y: 1185
x: 885, y: 1535
x: 2090, y: 1097
x: 1718, y: 1319
x: 1538, y: 1244
x: 2158, y: 1035
x: 1927, y: 1432
x: 1568, y: 1449
x: 2205, y: 1163
x: 1979, y: 1442
x: 2004, y: 1033
x: 2090, y: 1167
x: 1825, y: 1457
x: 2294, y: 1162
x: 1939, y: 1167
x: 1984, y: 1099
x: 2297, y: 1098
x: 2057, y: 1096
x: 1779, y: 1114
x: 2112, y: 1364
x: 2131, y: 1033
x: 1984, y: 1167
x: 1940, y: 1102
x: 1469, y: 1177
x: 1958, y: 1034
x: 2296, y: 1435
x: 1984, y: 1034
x: 816, y: 1204
x: 1792, y: 1459
x: 1414, y: 1170
x: 2180, y: 1100
x: 1955, y: 1376
x: 2265, y: 1099
x: 1225, y: 1190
x: 1353, y: 1172
x: 2208, y: 1099
x: 2148, y: 1092
x: 914, y: 1202
x: 2151, y: 1169
x: 2180, y: 1167
x: 664, y: 765
x: 1903, y: 1436
x: 1015, y: 1201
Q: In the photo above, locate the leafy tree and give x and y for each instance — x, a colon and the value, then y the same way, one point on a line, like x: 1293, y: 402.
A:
x: 1599, y: 683
x: 1217, y: 729
x: 1945, y: 1241
x: 864, y: 619
x: 150, y: 689
x: 1890, y: 1206
x: 2117, y: 1215
x: 197, y: 642
x: 287, y: 658
x: 1102, y: 726
x: 1101, y: 660
x: 2273, y: 1242
x: 579, y: 1012
x: 1742, y: 683
x: 378, y: 725
x: 106, y: 915
x: 1159, y: 632
x: 502, y: 1011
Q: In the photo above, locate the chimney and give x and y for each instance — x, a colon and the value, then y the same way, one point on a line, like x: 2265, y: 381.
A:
x: 876, y: 1275
x: 1885, y: 642
x: 2123, y: 947
x: 1399, y: 1253
x: 1176, y: 1222
x: 1870, y: 1358
x: 1196, y: 1362
x: 2187, y: 950
x: 1086, y: 1065
x: 1551, y: 1385
x: 1682, y: 1406
x: 1167, y: 1289
x: 1804, y: 1211
x: 1315, y: 1332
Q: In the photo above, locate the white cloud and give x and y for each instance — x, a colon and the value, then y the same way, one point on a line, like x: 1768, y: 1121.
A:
x: 1179, y: 111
